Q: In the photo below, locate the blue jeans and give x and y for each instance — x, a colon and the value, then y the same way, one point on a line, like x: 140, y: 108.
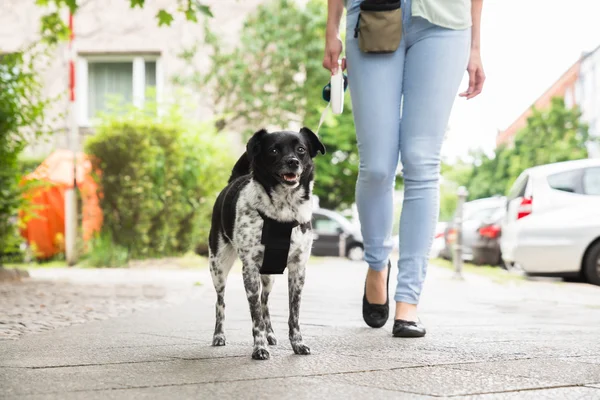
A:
x: 401, y: 103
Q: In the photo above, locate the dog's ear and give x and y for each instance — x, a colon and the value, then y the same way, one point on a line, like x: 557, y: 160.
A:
x: 313, y: 142
x: 253, y: 146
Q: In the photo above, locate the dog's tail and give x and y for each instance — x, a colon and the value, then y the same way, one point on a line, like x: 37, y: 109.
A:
x: 241, y: 168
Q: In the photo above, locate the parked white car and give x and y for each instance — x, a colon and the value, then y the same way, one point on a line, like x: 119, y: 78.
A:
x: 552, y: 223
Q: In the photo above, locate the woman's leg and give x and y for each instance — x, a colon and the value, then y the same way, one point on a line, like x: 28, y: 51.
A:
x: 376, y: 90
x: 436, y: 60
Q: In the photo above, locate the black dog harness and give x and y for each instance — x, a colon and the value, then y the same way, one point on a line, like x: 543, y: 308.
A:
x: 277, y: 238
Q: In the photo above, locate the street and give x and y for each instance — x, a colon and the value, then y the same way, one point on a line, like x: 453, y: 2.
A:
x: 486, y: 339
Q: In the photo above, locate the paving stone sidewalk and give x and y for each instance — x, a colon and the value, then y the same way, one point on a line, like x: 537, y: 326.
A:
x: 516, y: 340
x: 61, y: 297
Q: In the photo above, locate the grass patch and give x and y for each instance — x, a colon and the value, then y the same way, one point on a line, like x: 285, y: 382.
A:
x: 191, y: 260
x: 105, y: 254
x: 496, y: 274
x: 315, y: 260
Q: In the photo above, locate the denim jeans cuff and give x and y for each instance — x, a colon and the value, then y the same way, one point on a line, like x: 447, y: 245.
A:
x: 379, y: 267
x: 403, y: 298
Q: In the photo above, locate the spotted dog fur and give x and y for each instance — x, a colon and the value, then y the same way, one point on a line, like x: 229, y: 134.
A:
x: 274, y: 176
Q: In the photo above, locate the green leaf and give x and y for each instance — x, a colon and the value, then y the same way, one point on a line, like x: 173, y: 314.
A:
x: 205, y: 10
x: 190, y: 15
x: 72, y: 4
x: 164, y: 18
x: 135, y: 3
x: 53, y: 28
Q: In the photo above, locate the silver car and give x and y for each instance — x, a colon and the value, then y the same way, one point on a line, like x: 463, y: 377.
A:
x: 552, y: 223
x: 475, y: 213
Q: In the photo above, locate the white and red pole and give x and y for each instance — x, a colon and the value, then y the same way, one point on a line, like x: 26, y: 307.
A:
x: 71, y: 194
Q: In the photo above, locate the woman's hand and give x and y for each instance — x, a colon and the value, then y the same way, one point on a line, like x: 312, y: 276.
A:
x: 476, y: 75
x: 333, y: 49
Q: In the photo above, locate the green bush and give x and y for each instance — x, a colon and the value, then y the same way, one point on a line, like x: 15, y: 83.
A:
x: 158, y: 178
x: 104, y: 253
x: 28, y: 164
x: 21, y: 120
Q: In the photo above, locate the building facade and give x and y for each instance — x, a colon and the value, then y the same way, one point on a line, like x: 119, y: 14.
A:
x: 579, y: 85
x: 588, y: 95
x: 120, y: 52
x: 565, y: 87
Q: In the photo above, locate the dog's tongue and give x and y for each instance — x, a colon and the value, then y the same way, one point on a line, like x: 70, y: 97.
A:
x: 289, y: 177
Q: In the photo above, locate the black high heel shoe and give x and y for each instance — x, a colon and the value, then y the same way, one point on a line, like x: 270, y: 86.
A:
x: 376, y: 315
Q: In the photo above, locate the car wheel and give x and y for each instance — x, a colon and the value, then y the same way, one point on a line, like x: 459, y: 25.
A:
x: 591, y: 266
x: 356, y: 252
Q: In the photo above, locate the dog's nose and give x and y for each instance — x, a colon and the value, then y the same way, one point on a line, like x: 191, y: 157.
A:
x: 293, y: 162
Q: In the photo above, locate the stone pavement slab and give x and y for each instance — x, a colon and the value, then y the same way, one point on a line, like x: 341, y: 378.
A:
x: 570, y: 393
x: 565, y: 372
x: 186, y: 371
x: 484, y: 339
x: 442, y: 381
x: 268, y: 389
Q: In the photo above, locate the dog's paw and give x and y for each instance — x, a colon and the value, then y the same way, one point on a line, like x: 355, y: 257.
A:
x: 260, y: 353
x: 271, y: 339
x: 301, y: 348
x: 218, y: 340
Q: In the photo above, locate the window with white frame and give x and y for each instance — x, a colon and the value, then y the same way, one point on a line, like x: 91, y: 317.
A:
x: 103, y: 79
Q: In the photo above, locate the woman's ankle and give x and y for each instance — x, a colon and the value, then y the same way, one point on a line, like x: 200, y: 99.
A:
x: 376, y: 286
x: 406, y: 311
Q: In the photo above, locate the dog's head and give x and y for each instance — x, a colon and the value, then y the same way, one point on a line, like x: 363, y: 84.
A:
x: 283, y: 158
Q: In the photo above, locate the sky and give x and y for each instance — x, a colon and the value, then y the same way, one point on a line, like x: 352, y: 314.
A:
x: 526, y: 46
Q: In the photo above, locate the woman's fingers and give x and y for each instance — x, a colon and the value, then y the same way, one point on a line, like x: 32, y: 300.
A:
x: 476, y: 80
x: 479, y: 80
x: 471, y: 87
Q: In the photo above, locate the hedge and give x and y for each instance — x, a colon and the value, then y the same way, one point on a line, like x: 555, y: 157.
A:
x: 158, y: 178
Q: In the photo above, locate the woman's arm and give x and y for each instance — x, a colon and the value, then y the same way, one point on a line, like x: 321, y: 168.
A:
x: 333, y: 42
x: 475, y: 68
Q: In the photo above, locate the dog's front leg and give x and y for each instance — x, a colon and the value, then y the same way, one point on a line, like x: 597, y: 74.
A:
x: 252, y: 284
x: 296, y: 274
x: 267, y: 285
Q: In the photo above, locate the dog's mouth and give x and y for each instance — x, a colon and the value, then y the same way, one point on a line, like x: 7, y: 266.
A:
x: 290, y: 178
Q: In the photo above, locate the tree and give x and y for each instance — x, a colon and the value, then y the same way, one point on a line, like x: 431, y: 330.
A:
x: 54, y: 28
x: 274, y: 76
x: 552, y: 135
x: 21, y: 118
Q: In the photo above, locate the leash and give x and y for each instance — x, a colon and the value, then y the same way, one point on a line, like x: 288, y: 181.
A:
x: 323, y: 115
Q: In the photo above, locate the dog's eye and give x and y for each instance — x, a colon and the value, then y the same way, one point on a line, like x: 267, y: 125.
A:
x: 301, y: 150
x: 274, y: 151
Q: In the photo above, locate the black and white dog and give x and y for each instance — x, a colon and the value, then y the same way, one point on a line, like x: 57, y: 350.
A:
x: 268, y: 194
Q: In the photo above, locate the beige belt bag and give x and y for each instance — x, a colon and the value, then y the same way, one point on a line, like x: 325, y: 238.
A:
x: 379, y: 26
